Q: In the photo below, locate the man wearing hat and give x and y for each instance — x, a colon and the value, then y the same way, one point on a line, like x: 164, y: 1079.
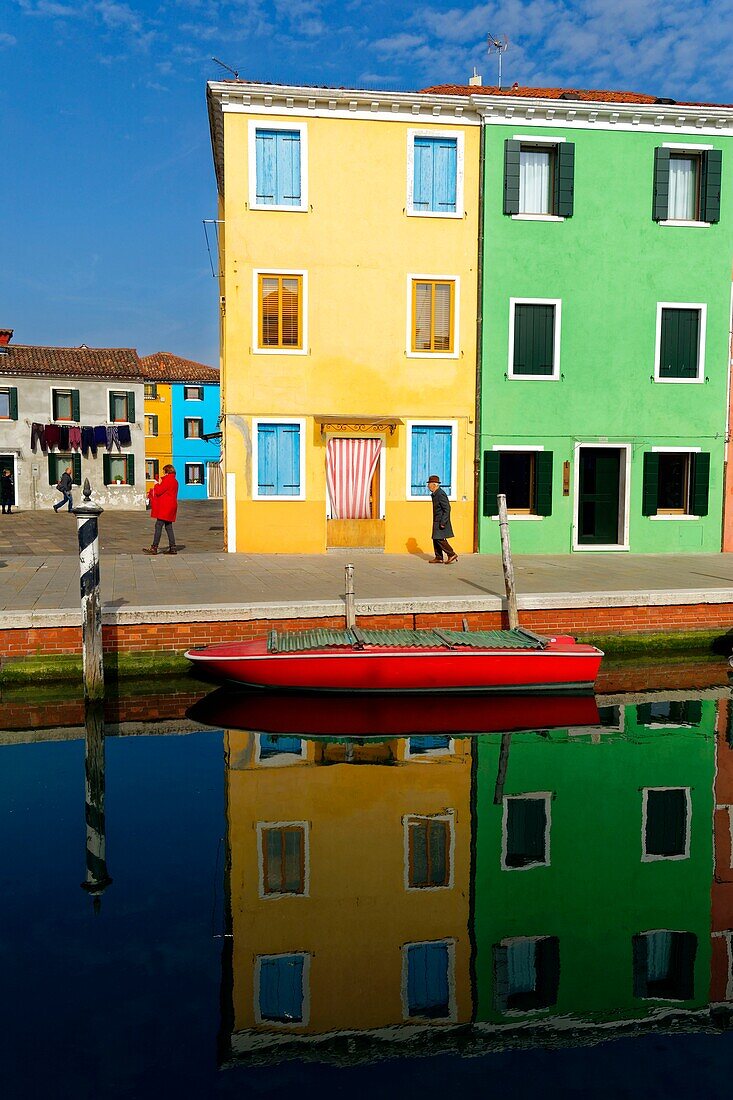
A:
x: 442, y: 529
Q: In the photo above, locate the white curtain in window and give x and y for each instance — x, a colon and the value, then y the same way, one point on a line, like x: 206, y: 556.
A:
x: 522, y: 969
x: 659, y: 950
x: 682, y: 189
x: 534, y: 182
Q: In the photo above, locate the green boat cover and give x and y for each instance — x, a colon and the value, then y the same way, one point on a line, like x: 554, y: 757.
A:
x: 302, y: 641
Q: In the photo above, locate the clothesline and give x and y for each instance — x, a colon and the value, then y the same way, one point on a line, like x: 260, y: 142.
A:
x: 80, y: 437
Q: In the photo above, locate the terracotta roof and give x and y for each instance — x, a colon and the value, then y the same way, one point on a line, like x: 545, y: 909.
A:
x: 163, y: 366
x: 32, y: 361
x: 578, y: 94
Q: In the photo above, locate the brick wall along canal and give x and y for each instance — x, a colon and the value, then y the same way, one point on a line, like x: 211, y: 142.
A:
x: 332, y: 912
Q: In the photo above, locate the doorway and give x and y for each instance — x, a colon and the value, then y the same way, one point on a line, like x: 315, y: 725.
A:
x: 601, y: 505
x: 355, y: 478
x: 8, y: 462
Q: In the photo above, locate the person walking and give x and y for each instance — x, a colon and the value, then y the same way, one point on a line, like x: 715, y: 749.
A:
x: 442, y: 529
x: 65, y: 486
x: 7, y: 496
x: 164, y: 509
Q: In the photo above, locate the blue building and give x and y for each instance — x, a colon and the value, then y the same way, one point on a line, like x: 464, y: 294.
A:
x: 182, y: 409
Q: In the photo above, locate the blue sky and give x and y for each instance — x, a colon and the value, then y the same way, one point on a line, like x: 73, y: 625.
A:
x: 105, y: 172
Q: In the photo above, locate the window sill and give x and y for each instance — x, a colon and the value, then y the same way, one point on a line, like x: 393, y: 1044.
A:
x: 277, y: 499
x: 276, y: 208
x: 279, y: 351
x: 581, y: 548
x: 678, y: 381
x: 455, y: 214
x: 533, y: 377
x: 512, y: 517
x: 537, y: 218
x: 432, y: 354
x: 681, y: 225
x: 673, y: 517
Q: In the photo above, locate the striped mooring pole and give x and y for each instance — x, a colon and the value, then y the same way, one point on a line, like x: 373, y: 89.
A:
x: 98, y: 878
x: 87, y: 515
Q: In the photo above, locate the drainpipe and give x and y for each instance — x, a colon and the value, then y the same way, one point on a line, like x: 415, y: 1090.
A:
x: 479, y: 339
x: 727, y: 473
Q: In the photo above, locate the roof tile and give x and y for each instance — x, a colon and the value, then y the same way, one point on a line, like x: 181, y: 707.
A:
x: 32, y: 361
x: 163, y: 366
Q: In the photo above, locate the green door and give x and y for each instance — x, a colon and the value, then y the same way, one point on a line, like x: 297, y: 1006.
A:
x: 598, y: 498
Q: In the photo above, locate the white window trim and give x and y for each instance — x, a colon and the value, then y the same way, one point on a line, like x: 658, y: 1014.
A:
x: 126, y: 455
x: 511, y: 516
x: 688, y: 515
x: 151, y: 416
x: 536, y: 796
x: 703, y: 309
x: 624, y: 499
x: 686, y: 147
x: 285, y: 1025
x: 647, y: 857
x: 453, y: 425
x: 682, y: 224
x: 256, y: 350
x: 61, y: 389
x: 185, y: 467
x: 261, y: 826
x: 410, y: 210
x: 281, y: 759
x: 147, y: 460
x: 674, y: 932
x: 456, y: 280
x: 266, y: 124
x: 193, y: 436
x: 256, y: 421
x: 426, y: 755
x: 509, y: 941
x: 190, y: 386
x: 445, y: 815
x: 452, y: 1010
x: 555, y: 376
x: 536, y: 139
x: 537, y: 218
x: 118, y: 389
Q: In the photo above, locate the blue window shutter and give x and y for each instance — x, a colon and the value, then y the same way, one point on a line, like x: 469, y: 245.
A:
x: 420, y: 460
x: 288, y: 460
x: 267, y: 460
x: 442, y: 443
x: 265, y: 154
x: 417, y: 989
x: 431, y: 454
x: 422, y: 187
x: 427, y: 979
x: 287, y: 191
x: 445, y: 163
x: 281, y: 988
x: 437, y: 977
x: 274, y: 744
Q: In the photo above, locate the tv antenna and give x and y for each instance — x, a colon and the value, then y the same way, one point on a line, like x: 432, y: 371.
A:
x: 499, y: 46
x: 228, y: 68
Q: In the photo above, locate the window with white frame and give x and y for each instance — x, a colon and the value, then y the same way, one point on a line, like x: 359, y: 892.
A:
x: 428, y: 980
x: 279, y: 459
x: 193, y: 393
x: 194, y: 473
x: 429, y: 744
x: 433, y: 317
x: 534, y: 338
x: 676, y: 482
x: 152, y: 468
x: 151, y: 424
x: 278, y: 157
x: 432, y: 450
x: 283, y: 858
x: 65, y: 405
x: 526, y: 831
x: 526, y: 973
x: 8, y: 403
x: 428, y: 851
x: 664, y: 965
x: 539, y: 177
x: 666, y: 813
x: 151, y: 391
x: 435, y: 173
x: 281, y: 988
x: 680, y: 351
x: 193, y: 427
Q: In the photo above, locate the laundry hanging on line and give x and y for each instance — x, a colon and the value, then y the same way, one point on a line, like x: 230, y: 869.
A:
x: 77, y: 437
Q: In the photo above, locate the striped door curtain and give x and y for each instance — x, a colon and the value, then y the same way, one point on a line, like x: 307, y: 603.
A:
x: 350, y: 466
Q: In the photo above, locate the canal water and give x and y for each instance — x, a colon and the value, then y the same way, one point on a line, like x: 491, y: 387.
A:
x: 302, y: 896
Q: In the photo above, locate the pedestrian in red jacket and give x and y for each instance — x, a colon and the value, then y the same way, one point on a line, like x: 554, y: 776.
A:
x: 163, y: 509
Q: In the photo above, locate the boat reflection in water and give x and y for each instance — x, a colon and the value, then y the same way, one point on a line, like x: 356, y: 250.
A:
x: 425, y: 890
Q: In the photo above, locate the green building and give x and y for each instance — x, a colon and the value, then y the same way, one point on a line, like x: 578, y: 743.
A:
x: 606, y: 274
x: 593, y: 871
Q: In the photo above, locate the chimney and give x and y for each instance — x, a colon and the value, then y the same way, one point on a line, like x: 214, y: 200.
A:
x: 6, y: 335
x: 475, y: 81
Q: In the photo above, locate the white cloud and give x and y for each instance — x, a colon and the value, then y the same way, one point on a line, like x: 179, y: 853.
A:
x: 7, y: 39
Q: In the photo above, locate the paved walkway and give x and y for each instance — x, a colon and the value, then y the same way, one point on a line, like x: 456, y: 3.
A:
x: 213, y: 585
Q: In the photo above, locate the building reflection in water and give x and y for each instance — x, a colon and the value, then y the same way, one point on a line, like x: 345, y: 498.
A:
x: 381, y: 898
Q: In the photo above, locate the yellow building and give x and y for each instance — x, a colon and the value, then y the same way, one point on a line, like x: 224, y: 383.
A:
x: 158, y: 422
x: 349, y: 870
x: 348, y: 260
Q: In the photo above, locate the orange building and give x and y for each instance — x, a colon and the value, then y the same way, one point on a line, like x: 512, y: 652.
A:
x: 349, y: 869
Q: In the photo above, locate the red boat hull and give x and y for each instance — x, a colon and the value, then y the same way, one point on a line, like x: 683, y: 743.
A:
x: 562, y: 663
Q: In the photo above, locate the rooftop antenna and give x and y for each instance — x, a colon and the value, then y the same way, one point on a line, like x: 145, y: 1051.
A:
x: 499, y: 46
x: 228, y: 68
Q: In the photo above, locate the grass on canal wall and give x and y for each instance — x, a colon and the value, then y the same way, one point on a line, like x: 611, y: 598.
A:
x: 152, y: 667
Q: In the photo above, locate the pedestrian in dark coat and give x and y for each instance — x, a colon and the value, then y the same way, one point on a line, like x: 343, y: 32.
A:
x: 65, y: 485
x: 164, y: 509
x: 7, y: 495
x: 442, y: 529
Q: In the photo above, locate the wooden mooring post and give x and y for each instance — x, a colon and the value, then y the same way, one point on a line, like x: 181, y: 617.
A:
x: 98, y: 878
x: 507, y: 564
x: 87, y: 516
x: 350, y: 598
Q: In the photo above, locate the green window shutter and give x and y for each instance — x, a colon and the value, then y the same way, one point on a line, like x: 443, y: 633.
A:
x: 111, y: 409
x: 543, y: 483
x: 712, y: 170
x: 660, y: 204
x: 682, y: 964
x: 75, y: 405
x: 534, y: 339
x: 692, y: 712
x: 511, y: 177
x: 52, y: 479
x: 13, y: 403
x: 130, y: 469
x: 564, y: 183
x: 644, y: 714
x: 640, y: 953
x: 501, y: 977
x: 700, y: 483
x: 76, y: 468
x: 105, y: 467
x: 131, y: 407
x: 680, y: 343
x: 491, y: 482
x: 548, y: 971
x: 650, y: 490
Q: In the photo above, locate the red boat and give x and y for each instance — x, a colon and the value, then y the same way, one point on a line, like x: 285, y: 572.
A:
x: 405, y: 660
